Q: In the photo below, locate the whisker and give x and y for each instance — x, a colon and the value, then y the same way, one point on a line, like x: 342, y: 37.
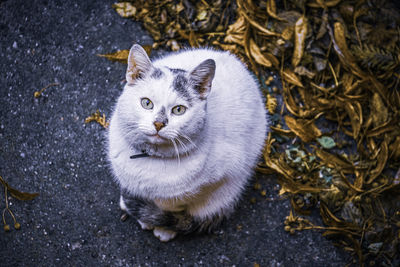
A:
x: 188, y: 139
x: 182, y: 145
x: 177, y: 151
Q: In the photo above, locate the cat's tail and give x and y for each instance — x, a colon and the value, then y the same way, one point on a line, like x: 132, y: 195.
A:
x: 181, y: 222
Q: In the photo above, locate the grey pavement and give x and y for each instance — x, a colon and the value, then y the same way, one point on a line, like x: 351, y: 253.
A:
x: 46, y: 147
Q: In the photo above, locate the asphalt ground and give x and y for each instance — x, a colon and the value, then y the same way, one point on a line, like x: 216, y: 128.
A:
x: 46, y: 147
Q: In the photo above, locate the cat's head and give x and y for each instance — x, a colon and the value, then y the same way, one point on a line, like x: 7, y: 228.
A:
x: 164, y: 107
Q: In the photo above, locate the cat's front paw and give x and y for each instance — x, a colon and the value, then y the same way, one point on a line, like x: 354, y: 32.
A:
x: 145, y: 226
x: 163, y: 234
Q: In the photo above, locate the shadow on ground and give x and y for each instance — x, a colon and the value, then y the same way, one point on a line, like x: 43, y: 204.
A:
x: 45, y: 147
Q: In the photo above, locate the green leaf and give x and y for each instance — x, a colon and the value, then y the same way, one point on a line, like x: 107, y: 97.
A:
x: 326, y: 142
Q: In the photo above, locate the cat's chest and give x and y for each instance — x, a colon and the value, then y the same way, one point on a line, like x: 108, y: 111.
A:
x: 161, y: 171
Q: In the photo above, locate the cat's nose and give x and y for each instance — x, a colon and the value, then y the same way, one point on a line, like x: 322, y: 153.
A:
x: 159, y: 125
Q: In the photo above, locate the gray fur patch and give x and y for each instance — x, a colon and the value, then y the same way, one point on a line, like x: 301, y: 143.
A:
x: 156, y: 74
x: 133, y: 205
x: 180, y: 222
x: 181, y: 85
x: 177, y: 71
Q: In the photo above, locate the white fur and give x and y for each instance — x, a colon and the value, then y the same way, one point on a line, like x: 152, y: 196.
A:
x: 122, y: 204
x: 227, y: 138
x: 164, y: 235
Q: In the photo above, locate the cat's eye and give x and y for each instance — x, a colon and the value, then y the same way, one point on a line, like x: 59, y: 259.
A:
x: 179, y: 110
x: 146, y: 103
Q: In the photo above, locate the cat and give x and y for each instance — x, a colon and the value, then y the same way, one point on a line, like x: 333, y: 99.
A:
x: 184, y: 138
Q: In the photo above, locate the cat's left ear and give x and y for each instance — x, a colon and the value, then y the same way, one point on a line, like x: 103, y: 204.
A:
x: 201, y: 77
x: 138, y: 63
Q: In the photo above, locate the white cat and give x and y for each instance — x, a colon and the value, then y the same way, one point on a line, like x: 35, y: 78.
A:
x: 184, y: 138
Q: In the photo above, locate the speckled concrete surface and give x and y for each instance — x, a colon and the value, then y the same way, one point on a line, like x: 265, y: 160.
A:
x: 45, y: 147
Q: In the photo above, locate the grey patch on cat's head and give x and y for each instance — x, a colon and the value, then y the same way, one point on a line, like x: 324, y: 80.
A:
x: 157, y: 73
x: 177, y: 71
x: 180, y: 84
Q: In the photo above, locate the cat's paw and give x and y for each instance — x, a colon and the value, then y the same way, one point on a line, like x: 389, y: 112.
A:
x: 163, y: 234
x: 145, y: 226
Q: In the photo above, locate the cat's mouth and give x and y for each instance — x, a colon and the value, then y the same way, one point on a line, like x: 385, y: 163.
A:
x: 157, y: 138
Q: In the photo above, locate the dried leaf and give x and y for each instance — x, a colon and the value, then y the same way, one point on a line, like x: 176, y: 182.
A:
x: 202, y: 15
x: 22, y: 195
x: 287, y: 33
x: 37, y: 94
x: 271, y: 10
x: 333, y: 161
x: 16, y: 193
x: 289, y: 76
x: 271, y: 104
x: 305, y: 129
x: 323, y: 3
x: 385, y: 128
x: 379, y: 59
x: 395, y: 149
x: 238, y: 27
x: 257, y: 54
x: 174, y: 45
x: 254, y: 23
x: 236, y: 31
x: 381, y: 162
x: 125, y: 9
x: 120, y: 56
x: 342, y: 50
x: 323, y: 27
x: 300, y: 34
x: 97, y: 117
x: 354, y: 112
x: 379, y: 111
x: 303, y: 71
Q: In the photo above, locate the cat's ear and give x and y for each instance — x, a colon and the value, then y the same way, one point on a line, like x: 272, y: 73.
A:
x: 138, y: 63
x: 201, y: 77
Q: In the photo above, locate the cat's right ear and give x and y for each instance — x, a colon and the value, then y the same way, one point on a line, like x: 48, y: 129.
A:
x: 138, y: 63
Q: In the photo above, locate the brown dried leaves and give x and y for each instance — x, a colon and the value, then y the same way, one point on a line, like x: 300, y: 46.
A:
x: 18, y: 195
x: 125, y: 9
x: 353, y: 92
x: 305, y: 129
x: 300, y: 34
x: 39, y: 93
x: 169, y: 22
x: 120, y: 56
x: 97, y: 117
